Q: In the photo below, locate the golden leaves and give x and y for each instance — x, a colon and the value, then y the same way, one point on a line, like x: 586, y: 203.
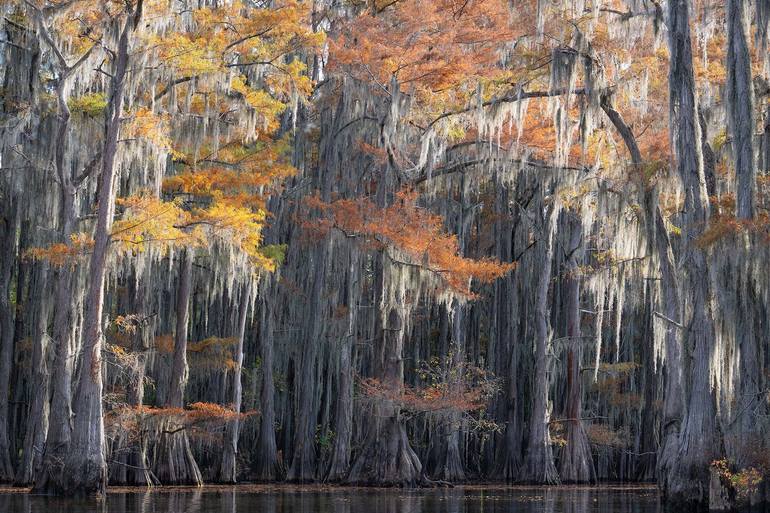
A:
x: 240, y: 227
x: 90, y: 105
x: 150, y: 127
x: 147, y: 219
x: 151, y: 222
x: 235, y: 37
x: 744, y: 482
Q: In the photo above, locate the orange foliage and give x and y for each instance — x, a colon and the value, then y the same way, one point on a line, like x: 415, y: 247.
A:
x: 744, y: 482
x: 61, y: 254
x: 412, y: 230
x: 433, y: 398
x: 197, y: 417
x: 448, y: 387
x: 723, y: 223
x: 434, y: 45
x: 164, y: 343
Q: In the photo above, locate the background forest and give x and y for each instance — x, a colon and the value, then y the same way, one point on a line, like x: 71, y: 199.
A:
x: 399, y: 242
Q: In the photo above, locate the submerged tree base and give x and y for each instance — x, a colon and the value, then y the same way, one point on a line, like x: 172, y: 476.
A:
x: 174, y: 463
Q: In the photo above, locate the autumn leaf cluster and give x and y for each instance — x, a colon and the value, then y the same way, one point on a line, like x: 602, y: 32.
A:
x: 411, y: 229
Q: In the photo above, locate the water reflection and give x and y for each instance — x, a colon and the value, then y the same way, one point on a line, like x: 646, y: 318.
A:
x: 287, y: 500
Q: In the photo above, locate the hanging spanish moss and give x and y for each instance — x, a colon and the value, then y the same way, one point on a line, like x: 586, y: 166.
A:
x: 413, y: 244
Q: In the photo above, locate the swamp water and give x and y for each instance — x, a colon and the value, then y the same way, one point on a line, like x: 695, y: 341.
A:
x: 298, y: 499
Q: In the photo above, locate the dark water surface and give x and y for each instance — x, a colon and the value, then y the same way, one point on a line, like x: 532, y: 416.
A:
x: 255, y: 499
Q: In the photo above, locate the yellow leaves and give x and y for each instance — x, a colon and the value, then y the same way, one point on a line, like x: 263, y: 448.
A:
x: 267, y: 107
x: 232, y: 187
x: 744, y: 482
x: 150, y: 127
x: 90, y: 105
x: 229, y: 66
x: 237, y: 171
x: 212, y: 354
x: 151, y: 222
x: 238, y: 226
x: 78, y: 23
x: 146, y: 220
x: 126, y: 323
x: 293, y: 78
x: 116, y: 350
x: 210, y: 411
x: 189, y: 55
x: 719, y: 141
x: 234, y: 36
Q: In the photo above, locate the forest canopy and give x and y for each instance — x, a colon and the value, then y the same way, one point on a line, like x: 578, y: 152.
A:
x: 395, y: 242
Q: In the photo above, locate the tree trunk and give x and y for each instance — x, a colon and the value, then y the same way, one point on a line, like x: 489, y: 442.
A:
x: 343, y: 413
x: 740, y: 107
x: 128, y: 463
x: 304, y: 460
x: 749, y: 410
x: 450, y: 465
x: 35, y: 437
x: 8, y: 242
x: 508, y: 458
x: 659, y: 243
x: 174, y: 463
x: 60, y: 422
x: 228, y: 471
x: 576, y: 463
x: 765, y: 145
x: 538, y: 464
x: 180, y: 371
x: 387, y: 458
x: 85, y: 470
x: 267, y: 467
x: 673, y: 398
x: 699, y: 443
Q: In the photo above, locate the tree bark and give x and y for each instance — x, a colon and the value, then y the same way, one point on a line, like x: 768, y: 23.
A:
x: 699, y: 443
x: 35, y: 437
x: 174, y: 463
x: 576, y: 463
x: 538, y: 464
x: 229, y: 471
x: 508, y: 459
x: 180, y: 371
x: 65, y: 308
x: 8, y: 242
x: 450, y: 465
x: 128, y: 462
x: 343, y: 413
x: 660, y: 243
x: 740, y: 107
x: 304, y: 461
x: 267, y: 467
x: 387, y: 458
x: 85, y: 470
